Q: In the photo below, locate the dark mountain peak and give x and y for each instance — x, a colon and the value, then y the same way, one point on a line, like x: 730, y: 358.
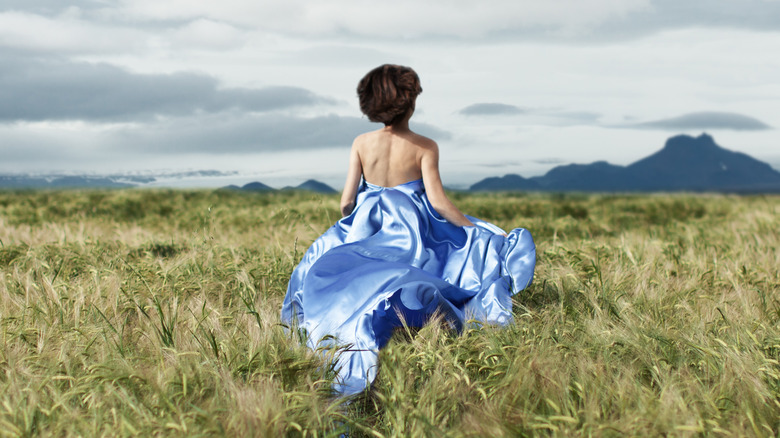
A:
x: 313, y: 185
x: 698, y: 163
x: 701, y: 144
x: 684, y: 163
x: 256, y: 186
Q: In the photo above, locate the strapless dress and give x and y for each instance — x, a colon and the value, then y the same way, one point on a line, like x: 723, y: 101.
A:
x: 396, y: 261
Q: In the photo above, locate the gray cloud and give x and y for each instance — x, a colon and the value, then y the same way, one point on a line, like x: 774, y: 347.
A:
x: 670, y: 14
x: 49, y: 6
x: 656, y: 16
x: 583, y: 117
x: 705, y: 120
x: 241, y: 133
x: 579, y: 21
x: 55, y: 89
x: 491, y: 109
x: 501, y: 164
x: 218, y: 140
x: 549, y: 161
x: 544, y: 116
x: 230, y: 133
x: 430, y: 131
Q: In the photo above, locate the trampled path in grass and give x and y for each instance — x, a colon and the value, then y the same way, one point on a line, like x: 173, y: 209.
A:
x: 139, y: 312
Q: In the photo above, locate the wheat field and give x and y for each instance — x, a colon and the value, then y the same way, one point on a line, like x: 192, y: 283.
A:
x: 156, y: 312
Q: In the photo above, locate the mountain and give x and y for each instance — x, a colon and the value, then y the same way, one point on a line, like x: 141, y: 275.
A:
x: 256, y: 186
x: 316, y: 186
x: 688, y: 163
x: 506, y: 182
x: 310, y: 185
x: 684, y: 163
x: 598, y: 176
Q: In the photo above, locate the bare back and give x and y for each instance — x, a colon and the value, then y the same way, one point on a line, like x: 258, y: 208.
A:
x: 392, y: 157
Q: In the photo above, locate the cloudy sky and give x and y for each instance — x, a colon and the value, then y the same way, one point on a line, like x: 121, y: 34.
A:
x: 267, y: 88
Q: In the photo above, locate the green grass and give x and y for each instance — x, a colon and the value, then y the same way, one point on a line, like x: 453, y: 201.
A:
x: 157, y: 313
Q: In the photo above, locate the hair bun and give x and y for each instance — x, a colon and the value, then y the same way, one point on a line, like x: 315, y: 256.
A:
x: 388, y: 92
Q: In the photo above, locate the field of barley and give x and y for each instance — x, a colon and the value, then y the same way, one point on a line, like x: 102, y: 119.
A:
x: 156, y: 312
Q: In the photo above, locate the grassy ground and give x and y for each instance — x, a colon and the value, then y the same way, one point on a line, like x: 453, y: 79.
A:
x: 157, y: 312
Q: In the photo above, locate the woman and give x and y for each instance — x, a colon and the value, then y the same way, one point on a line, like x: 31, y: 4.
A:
x: 402, y: 252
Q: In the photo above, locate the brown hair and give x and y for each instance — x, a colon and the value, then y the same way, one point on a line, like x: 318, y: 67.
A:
x: 387, y: 93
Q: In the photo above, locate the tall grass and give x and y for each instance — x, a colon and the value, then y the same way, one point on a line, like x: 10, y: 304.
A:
x: 157, y: 312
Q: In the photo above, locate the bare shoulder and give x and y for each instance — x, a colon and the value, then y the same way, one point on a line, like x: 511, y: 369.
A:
x: 359, y: 143
x: 425, y: 143
x: 361, y: 139
x: 366, y: 138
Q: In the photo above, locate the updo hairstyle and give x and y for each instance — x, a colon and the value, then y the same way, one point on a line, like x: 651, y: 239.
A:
x: 387, y: 93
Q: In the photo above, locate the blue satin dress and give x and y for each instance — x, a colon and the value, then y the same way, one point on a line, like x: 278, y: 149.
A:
x: 396, y: 259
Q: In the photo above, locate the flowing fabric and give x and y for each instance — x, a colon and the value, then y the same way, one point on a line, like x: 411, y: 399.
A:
x: 396, y: 261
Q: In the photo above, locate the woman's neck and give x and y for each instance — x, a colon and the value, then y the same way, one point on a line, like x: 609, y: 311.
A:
x: 400, y: 126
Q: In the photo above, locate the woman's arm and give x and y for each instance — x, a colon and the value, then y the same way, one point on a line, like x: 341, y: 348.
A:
x: 353, y: 179
x: 433, y: 188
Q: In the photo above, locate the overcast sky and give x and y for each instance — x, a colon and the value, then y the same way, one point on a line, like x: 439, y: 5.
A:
x: 267, y: 88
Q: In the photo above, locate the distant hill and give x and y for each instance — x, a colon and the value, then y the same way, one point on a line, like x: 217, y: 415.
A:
x: 60, y: 181
x: 310, y: 185
x: 316, y: 186
x: 506, y: 182
x: 598, y: 176
x: 685, y: 163
x: 110, y: 180
x: 256, y: 186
